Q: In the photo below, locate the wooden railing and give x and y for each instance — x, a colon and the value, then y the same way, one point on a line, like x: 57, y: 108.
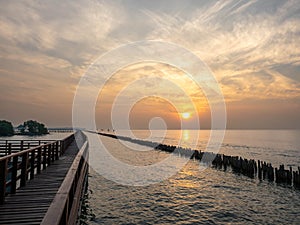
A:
x: 8, y: 147
x: 21, y: 166
x: 66, y: 204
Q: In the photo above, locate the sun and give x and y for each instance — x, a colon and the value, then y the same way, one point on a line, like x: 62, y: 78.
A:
x: 185, y: 115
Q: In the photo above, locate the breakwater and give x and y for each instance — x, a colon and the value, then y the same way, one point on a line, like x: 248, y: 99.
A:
x: 248, y: 167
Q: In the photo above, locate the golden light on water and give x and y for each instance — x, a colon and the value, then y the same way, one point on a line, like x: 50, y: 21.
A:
x: 186, y: 135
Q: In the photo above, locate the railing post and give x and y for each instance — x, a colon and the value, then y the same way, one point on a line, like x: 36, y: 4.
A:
x: 56, y: 151
x: 53, y: 152
x: 6, y: 146
x: 32, y: 160
x: 3, y: 173
x: 9, y: 148
x: 59, y: 147
x: 62, y: 147
x: 14, y: 175
x: 39, y: 160
x: 22, y: 145
x: 44, y: 157
x: 24, y: 169
x: 49, y: 155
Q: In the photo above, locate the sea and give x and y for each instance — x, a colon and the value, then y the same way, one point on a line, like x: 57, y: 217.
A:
x: 196, y: 196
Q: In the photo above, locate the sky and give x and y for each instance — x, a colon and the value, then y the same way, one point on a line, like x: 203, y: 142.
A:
x: 251, y: 47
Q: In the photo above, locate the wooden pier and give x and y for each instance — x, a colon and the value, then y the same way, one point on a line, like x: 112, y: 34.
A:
x: 44, y: 184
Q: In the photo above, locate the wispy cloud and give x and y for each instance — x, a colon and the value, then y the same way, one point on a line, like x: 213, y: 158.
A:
x: 225, y: 36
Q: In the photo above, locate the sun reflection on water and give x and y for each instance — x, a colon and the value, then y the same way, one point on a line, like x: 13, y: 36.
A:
x: 186, y: 135
x: 186, y: 177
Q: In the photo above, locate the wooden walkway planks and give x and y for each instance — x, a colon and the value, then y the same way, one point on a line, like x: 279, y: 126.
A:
x: 30, y: 204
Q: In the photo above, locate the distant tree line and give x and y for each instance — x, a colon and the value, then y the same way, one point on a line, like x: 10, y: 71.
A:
x: 29, y: 127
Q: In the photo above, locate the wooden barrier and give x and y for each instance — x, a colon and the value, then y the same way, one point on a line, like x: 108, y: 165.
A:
x: 249, y: 168
x: 8, y: 147
x: 24, y: 164
x: 64, y: 208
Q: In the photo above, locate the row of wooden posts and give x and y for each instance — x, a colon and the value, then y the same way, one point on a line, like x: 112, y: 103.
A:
x: 23, y: 165
x: 250, y: 168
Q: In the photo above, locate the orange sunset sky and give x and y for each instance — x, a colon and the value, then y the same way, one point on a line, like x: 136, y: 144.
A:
x: 251, y: 47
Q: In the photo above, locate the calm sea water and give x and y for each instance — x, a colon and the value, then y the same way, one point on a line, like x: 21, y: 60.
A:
x: 210, y: 196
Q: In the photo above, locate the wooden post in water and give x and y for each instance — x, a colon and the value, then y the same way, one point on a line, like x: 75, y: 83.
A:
x: 289, y: 176
x: 264, y: 170
x: 255, y: 167
x: 296, y: 180
x: 271, y: 173
x: 259, y: 170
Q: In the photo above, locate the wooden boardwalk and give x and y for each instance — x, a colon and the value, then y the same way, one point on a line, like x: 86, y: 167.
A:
x: 30, y: 203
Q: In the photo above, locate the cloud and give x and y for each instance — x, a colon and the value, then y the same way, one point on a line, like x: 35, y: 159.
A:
x: 237, y: 39
x: 73, y: 31
x: 259, y: 86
